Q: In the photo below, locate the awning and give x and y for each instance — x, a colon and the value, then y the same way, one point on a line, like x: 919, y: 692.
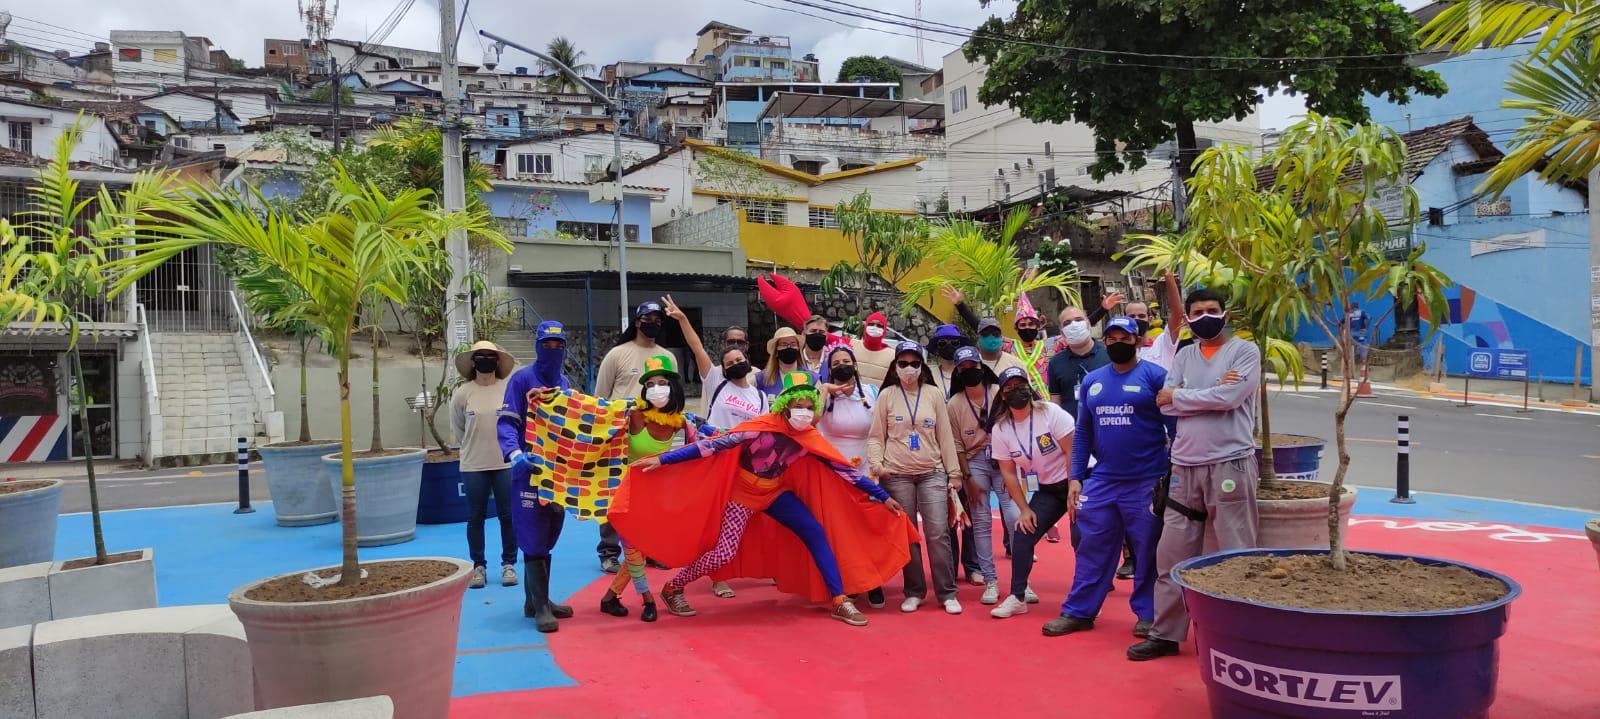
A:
x: 808, y: 158
x: 650, y: 281
x: 796, y: 104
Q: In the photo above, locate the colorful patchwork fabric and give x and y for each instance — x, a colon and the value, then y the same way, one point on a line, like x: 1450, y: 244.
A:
x: 578, y: 454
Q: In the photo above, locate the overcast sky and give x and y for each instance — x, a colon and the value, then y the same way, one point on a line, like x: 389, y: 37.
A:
x: 606, y: 30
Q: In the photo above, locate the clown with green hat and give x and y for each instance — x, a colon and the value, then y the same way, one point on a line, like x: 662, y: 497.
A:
x: 746, y: 503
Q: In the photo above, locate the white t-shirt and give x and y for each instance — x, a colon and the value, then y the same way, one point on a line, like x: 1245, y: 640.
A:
x: 1162, y: 351
x: 1040, y: 444
x: 847, y: 420
x: 735, y: 404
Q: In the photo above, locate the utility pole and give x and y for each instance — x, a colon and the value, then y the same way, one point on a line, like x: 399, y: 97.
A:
x: 458, y: 305
x: 338, y: 89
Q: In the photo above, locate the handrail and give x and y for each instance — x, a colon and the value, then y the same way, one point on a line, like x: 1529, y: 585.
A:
x: 524, y: 307
x: 249, y: 339
x: 152, y: 386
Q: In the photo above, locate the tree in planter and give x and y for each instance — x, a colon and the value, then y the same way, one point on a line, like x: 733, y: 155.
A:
x: 1314, y: 232
x: 886, y: 245
x: 367, y: 244
x: 985, y: 268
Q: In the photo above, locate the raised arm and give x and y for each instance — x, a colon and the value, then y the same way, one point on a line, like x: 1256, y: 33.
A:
x: 1224, y: 396
x: 690, y: 336
x: 1174, y: 300
x: 512, y: 424
x: 707, y: 447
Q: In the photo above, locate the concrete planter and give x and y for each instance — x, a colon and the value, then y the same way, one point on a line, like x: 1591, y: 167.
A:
x: 1290, y: 523
x: 1592, y: 528
x: 401, y: 645
x: 24, y: 597
x: 28, y: 525
x: 115, y: 587
x: 386, y: 496
x: 369, y: 708
x: 300, y: 493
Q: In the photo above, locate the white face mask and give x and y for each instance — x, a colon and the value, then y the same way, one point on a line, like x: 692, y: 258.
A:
x: 800, y: 418
x: 658, y: 395
x: 909, y: 374
x: 874, y: 331
x: 1076, y: 331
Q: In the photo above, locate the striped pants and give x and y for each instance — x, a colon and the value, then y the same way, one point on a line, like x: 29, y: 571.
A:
x: 789, y: 511
x: 633, y: 560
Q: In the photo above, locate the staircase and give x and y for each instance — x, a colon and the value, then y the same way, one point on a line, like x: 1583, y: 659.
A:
x: 520, y: 344
x: 207, y: 401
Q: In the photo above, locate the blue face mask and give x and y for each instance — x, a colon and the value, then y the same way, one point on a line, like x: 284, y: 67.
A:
x: 547, y: 364
x: 990, y: 343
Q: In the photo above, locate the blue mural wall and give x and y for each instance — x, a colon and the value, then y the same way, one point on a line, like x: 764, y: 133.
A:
x: 564, y: 206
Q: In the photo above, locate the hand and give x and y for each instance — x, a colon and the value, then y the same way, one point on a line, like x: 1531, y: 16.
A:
x: 1028, y: 521
x: 1164, y: 397
x: 1111, y: 300
x: 1074, y: 493
x: 522, y: 462
x: 673, y: 311
x: 646, y: 464
x: 1230, y: 377
x: 952, y: 295
x: 894, y: 506
x: 829, y: 388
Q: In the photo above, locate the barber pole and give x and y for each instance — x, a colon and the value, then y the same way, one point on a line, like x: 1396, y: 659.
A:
x: 33, y: 439
x: 1402, y: 461
x: 244, y: 478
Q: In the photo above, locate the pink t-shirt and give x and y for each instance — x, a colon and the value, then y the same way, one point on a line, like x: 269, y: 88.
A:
x: 1040, y: 444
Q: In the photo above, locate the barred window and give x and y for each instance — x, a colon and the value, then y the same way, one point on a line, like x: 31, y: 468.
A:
x: 760, y: 211
x: 823, y: 217
x: 513, y: 226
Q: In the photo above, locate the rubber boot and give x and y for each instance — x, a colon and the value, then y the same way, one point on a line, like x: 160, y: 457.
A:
x: 562, y: 611
x: 538, y: 596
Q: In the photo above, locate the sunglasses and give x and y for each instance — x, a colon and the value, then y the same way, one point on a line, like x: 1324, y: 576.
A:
x: 906, y: 364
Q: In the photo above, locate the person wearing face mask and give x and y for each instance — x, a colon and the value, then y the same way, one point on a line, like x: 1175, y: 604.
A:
x: 875, y: 355
x: 815, y: 338
x: 747, y: 504
x: 946, y: 340
x: 713, y: 373
x: 1211, y: 390
x: 618, y: 378
x: 912, y: 453
x: 1033, y: 345
x: 783, y: 357
x: 1120, y: 425
x: 1032, y: 444
x: 474, y: 414
x: 537, y: 524
x: 991, y: 346
x: 846, y: 405
x: 1081, y: 356
x: 971, y: 399
x: 1161, y: 350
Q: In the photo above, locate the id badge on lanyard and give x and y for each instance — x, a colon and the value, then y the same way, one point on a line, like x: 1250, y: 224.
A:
x: 1030, y: 481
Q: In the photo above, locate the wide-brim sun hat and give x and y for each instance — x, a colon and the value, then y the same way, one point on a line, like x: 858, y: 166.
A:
x: 782, y: 333
x: 501, y: 371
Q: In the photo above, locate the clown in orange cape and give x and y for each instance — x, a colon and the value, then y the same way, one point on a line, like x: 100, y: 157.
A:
x: 769, y: 499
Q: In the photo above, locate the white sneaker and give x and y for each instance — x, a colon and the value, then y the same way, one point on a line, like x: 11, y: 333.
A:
x: 910, y: 604
x: 479, y: 578
x: 991, y: 593
x: 1009, y: 608
x: 1030, y: 596
x: 508, y: 575
x: 975, y: 579
x: 951, y: 606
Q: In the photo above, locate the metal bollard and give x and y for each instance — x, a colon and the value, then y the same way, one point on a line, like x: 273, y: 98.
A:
x: 1324, y: 369
x: 1402, y: 462
x: 1525, y: 385
x: 244, y: 478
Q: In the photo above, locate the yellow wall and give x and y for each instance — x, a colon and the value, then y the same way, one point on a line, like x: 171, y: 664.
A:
x: 815, y: 248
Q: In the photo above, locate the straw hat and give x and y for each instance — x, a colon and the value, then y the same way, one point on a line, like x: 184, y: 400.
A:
x: 464, y: 360
x: 782, y: 333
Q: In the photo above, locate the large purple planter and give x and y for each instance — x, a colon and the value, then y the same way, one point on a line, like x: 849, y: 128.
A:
x: 1260, y: 661
x: 1300, y: 462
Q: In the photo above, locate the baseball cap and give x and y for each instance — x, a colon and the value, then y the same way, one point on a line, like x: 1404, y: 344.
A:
x: 550, y: 330
x: 943, y: 332
x: 968, y: 354
x: 646, y: 308
x: 908, y: 346
x: 988, y: 323
x: 1010, y: 373
x: 1126, y: 324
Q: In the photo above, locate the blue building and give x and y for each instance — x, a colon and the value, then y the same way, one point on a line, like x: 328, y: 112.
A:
x: 557, y: 210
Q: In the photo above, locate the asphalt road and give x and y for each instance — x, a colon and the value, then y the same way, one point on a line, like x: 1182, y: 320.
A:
x: 1546, y: 457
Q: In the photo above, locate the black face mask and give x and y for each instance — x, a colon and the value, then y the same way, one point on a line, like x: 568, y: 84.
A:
x: 1018, y: 398
x: 1144, y: 327
x: 1207, y: 327
x: 971, y: 376
x: 737, y: 371
x: 843, y: 373
x: 816, y: 341
x: 1028, y: 334
x: 945, y: 350
x: 1121, y: 352
x: 485, y: 365
x: 649, y: 329
x: 789, y: 355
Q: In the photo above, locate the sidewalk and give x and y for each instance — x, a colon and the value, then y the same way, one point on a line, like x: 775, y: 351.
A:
x: 1482, y: 390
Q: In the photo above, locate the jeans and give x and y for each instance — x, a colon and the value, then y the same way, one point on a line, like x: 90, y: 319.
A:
x: 1049, y: 505
x: 985, y: 479
x: 927, y: 495
x: 963, y: 547
x: 479, y: 485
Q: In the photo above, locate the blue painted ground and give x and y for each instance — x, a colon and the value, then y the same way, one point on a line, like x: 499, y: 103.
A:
x: 204, y: 552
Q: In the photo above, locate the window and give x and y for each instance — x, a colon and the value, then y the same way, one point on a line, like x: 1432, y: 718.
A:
x: 533, y: 164
x: 413, y: 77
x: 377, y: 64
x: 812, y: 166
x: 822, y: 217
x: 743, y: 133
x: 596, y: 231
x: 22, y: 137
x: 512, y: 226
x: 291, y: 49
x: 958, y: 99
x: 405, y: 62
x: 272, y: 51
x: 399, y: 101
x: 5, y: 56
x: 424, y: 79
x: 383, y: 76
x: 527, y: 86
x: 151, y: 124
x: 180, y: 142
x: 777, y: 64
x: 219, y: 146
x: 502, y: 120
x: 167, y: 55
x: 129, y: 54
x: 594, y: 163
x: 760, y: 211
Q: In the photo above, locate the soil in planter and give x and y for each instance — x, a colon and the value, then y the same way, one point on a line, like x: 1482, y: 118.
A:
x: 1290, y: 440
x: 110, y: 559
x: 382, y: 578
x: 436, y: 456
x: 1279, y: 489
x: 369, y: 454
x: 21, y: 486
x: 1372, y: 584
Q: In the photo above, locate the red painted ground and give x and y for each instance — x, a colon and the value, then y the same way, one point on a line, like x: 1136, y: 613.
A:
x: 764, y: 654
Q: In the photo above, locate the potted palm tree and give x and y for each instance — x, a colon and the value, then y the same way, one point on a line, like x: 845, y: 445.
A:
x: 1334, y: 631
x: 352, y: 630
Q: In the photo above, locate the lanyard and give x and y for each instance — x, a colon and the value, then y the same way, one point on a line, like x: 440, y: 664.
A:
x: 914, y: 407
x: 975, y: 411
x: 1027, y: 448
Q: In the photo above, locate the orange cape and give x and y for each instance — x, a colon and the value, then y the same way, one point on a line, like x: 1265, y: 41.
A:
x: 674, y: 513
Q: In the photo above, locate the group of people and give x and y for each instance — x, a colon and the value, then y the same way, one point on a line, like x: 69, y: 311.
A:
x: 842, y: 460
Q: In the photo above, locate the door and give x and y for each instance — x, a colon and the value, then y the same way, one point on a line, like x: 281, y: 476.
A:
x: 99, y: 391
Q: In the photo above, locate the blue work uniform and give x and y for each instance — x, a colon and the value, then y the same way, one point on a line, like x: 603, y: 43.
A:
x: 1119, y: 424
x: 538, y: 526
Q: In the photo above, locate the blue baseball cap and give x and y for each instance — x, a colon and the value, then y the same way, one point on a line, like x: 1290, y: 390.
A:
x: 646, y: 308
x: 908, y: 346
x: 1126, y: 324
x: 947, y: 332
x: 550, y: 330
x: 1011, y: 373
x: 968, y: 353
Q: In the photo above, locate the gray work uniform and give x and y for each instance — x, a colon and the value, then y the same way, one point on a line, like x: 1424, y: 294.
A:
x: 1213, y: 467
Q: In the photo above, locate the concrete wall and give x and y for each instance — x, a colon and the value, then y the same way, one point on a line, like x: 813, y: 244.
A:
x: 96, y: 144
x: 718, y: 227
x: 401, y: 426
x: 571, y: 155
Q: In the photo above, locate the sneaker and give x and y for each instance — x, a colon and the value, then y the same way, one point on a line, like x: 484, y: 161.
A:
x: 1126, y: 570
x: 722, y: 589
x: 951, y: 606
x: 1064, y: 625
x: 480, y: 577
x: 508, y: 575
x: 677, y: 605
x: 875, y: 598
x: 975, y: 579
x: 1030, y: 597
x: 991, y: 592
x: 846, y: 612
x: 1009, y: 608
x: 910, y: 604
x: 610, y: 565
x: 1141, y: 629
x: 1152, y: 649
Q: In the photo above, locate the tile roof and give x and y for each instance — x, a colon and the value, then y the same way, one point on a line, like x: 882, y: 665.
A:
x: 1422, y: 146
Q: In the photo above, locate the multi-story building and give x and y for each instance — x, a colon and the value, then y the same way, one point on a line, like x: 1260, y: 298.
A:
x: 734, y: 54
x: 291, y: 55
x: 154, y: 56
x: 665, y: 100
x: 734, y: 115
x: 575, y: 156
